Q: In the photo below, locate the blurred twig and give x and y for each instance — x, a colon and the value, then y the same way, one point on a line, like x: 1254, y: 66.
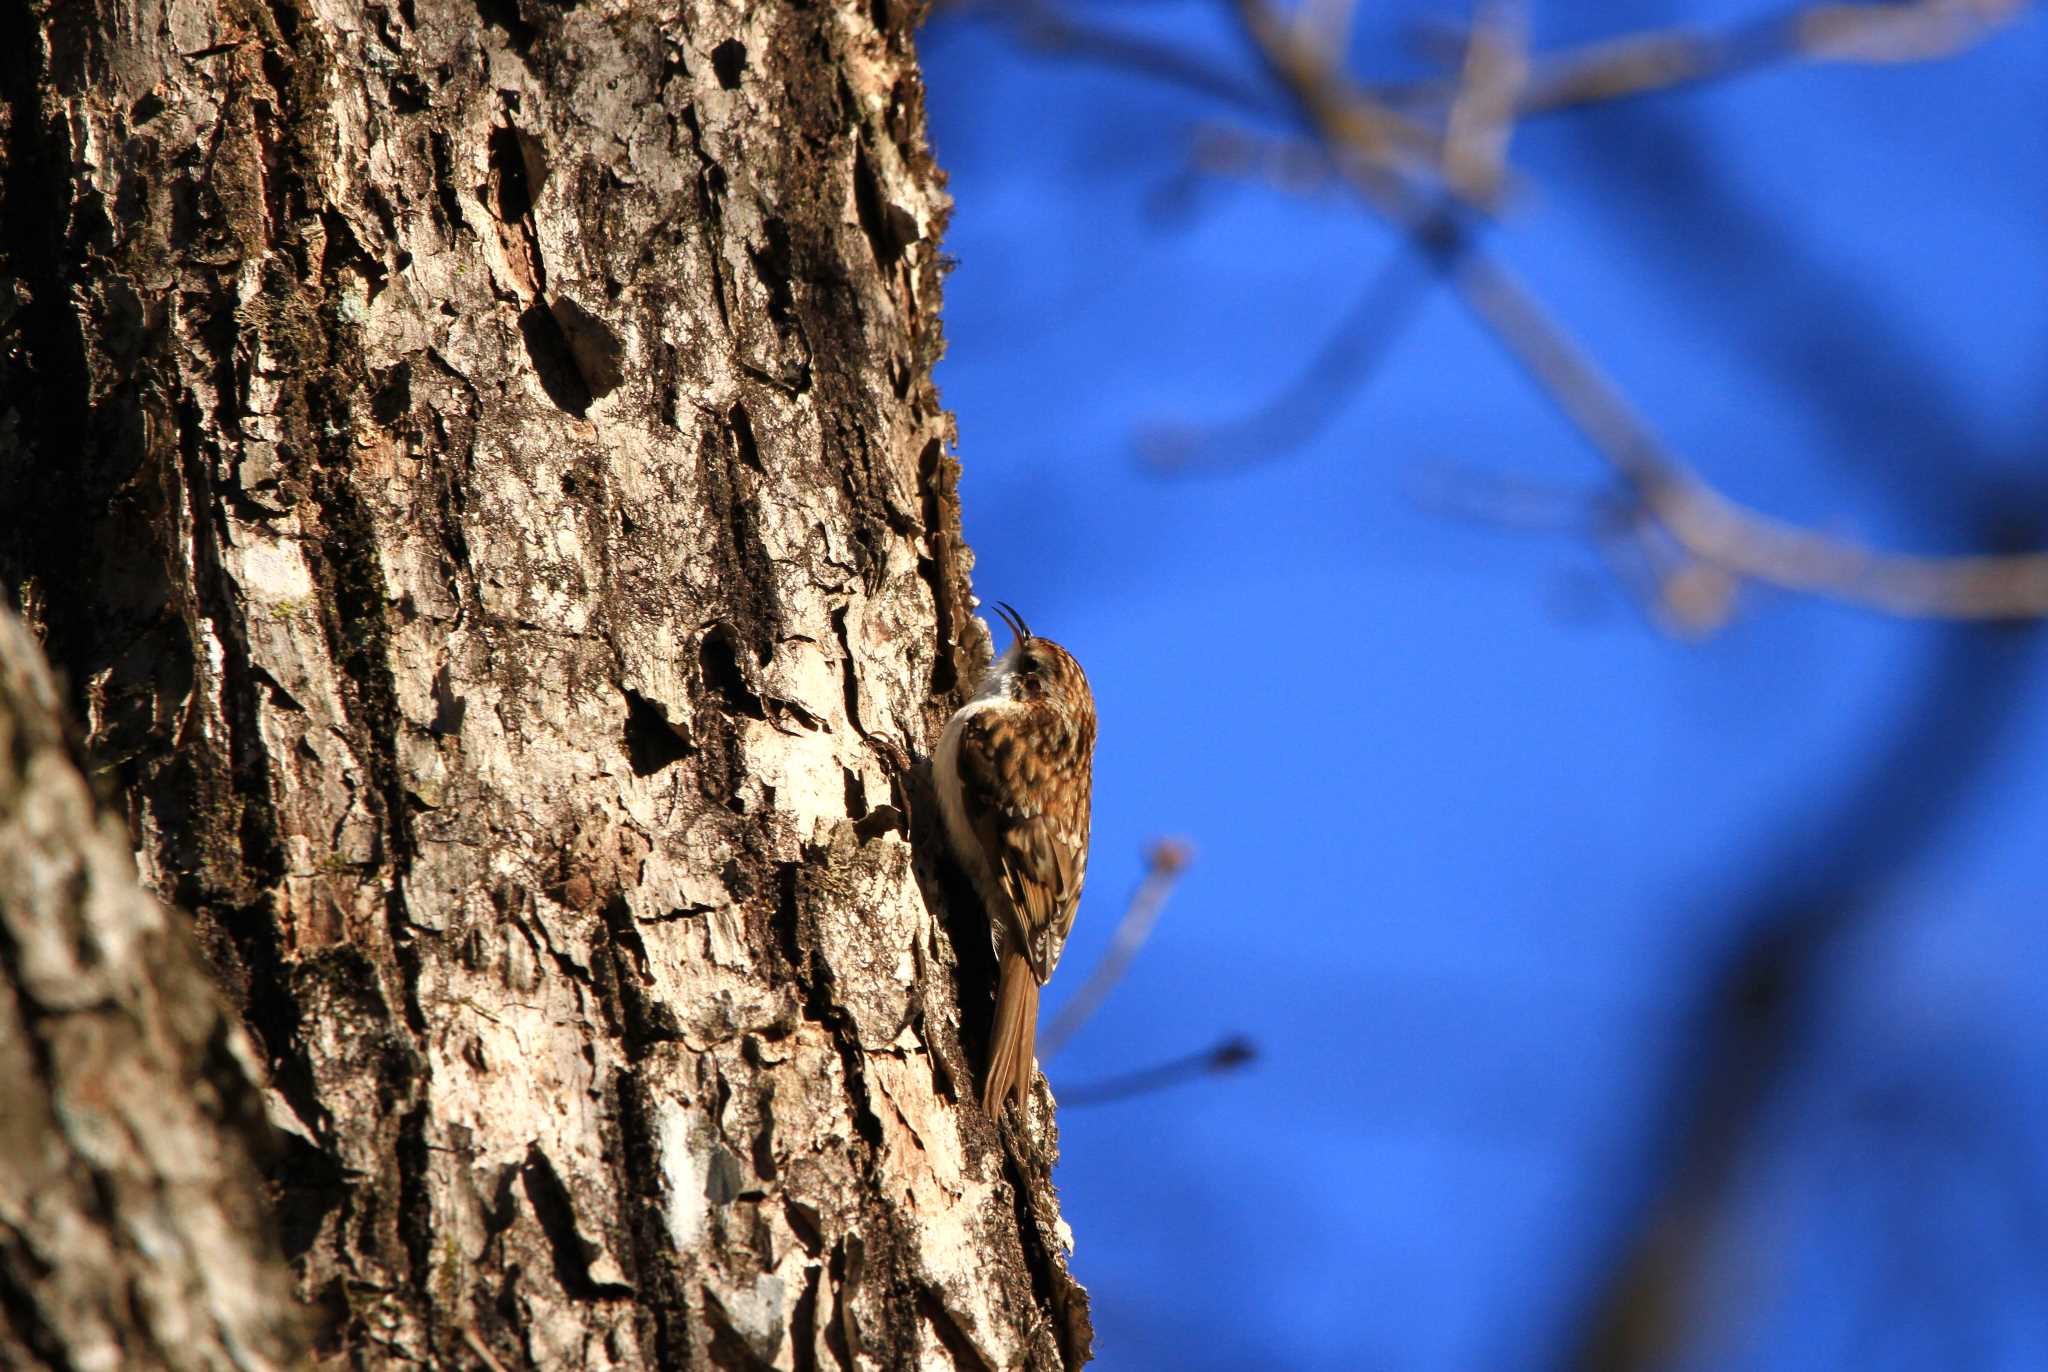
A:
x: 1297, y: 414
x: 1751, y: 1024
x: 1700, y: 545
x: 1635, y: 64
x: 1482, y: 113
x: 1166, y: 861
x: 1049, y: 28
x: 1227, y: 1056
x: 1682, y: 595
x: 1710, y: 529
x: 1510, y: 501
x: 1638, y: 64
x: 1328, y: 22
x: 1291, y: 165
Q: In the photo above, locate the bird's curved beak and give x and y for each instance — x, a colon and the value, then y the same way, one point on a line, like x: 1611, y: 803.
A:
x: 1015, y: 621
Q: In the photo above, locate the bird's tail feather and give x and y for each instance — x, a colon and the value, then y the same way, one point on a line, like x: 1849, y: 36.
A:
x: 1013, y: 1042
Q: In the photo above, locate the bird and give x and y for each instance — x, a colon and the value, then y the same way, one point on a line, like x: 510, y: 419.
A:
x: 1013, y: 773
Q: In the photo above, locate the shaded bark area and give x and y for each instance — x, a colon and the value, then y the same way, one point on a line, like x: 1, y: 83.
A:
x: 484, y: 488
x: 133, y: 1227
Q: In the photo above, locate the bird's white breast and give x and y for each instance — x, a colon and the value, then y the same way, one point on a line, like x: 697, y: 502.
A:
x: 953, y: 797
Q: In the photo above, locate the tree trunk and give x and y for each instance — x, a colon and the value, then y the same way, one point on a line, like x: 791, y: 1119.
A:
x: 478, y: 470
x: 133, y: 1230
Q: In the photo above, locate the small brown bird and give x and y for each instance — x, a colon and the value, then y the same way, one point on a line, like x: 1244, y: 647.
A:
x: 1012, y: 771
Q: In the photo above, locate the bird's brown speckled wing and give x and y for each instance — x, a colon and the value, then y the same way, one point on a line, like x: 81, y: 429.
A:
x: 1038, y: 859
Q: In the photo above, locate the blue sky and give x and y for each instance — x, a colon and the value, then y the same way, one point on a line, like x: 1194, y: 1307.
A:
x: 1472, y: 837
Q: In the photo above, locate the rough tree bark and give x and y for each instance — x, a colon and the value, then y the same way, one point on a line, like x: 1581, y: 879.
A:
x: 477, y: 469
x: 133, y: 1230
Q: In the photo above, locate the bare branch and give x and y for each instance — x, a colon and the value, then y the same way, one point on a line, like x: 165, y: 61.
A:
x: 1712, y: 529
x: 1742, y: 542
x: 1166, y: 861
x: 1629, y: 65
x: 1756, y: 1002
x: 1513, y: 502
x: 1291, y: 164
x: 1370, y: 136
x: 1305, y: 407
x: 1227, y: 1056
x: 1045, y: 26
x: 1637, y: 64
x: 1482, y: 114
x: 1328, y: 22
